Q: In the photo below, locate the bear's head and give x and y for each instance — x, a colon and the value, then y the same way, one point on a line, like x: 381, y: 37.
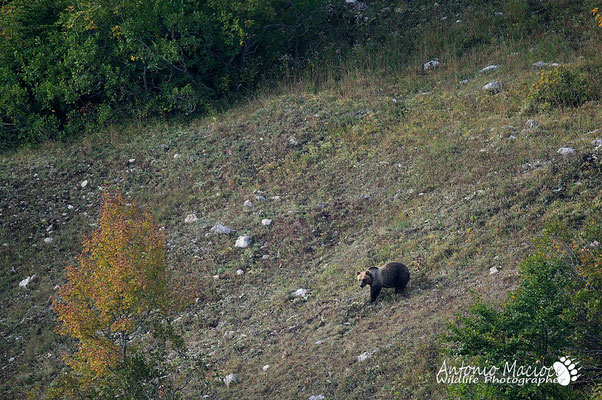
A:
x: 364, y: 278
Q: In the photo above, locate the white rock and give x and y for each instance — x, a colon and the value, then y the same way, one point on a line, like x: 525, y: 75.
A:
x: 265, y: 256
x: 69, y: 207
x: 566, y: 151
x: 28, y: 280
x: 464, y: 82
x: 491, y: 67
x: 317, y: 397
x: 540, y: 64
x: 431, y: 64
x: 493, y: 270
x: 131, y: 160
x: 493, y: 87
x: 190, y: 218
x: 176, y: 156
x: 84, y: 184
x: 531, y: 124
x: 215, y: 277
x: 248, y: 204
x: 511, y: 137
x: 366, y: 355
x: 222, y: 229
x: 11, y: 359
x: 243, y: 241
x: 48, y: 240
x: 230, y: 379
x: 266, y: 367
x: 498, y: 13
x: 266, y: 221
x: 259, y: 198
x: 293, y: 141
x: 240, y: 272
x: 300, y: 293
x: 597, y: 142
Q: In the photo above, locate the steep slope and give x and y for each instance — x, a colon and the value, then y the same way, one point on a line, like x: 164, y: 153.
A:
x: 414, y: 166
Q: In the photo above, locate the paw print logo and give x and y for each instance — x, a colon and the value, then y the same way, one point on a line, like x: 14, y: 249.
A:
x: 566, y: 371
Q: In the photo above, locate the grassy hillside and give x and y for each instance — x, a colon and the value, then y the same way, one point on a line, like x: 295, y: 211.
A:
x: 405, y: 165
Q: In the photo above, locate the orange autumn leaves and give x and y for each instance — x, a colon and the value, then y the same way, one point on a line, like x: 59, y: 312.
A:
x: 119, y: 282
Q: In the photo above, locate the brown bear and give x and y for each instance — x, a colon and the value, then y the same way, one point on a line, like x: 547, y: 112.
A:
x: 393, y: 275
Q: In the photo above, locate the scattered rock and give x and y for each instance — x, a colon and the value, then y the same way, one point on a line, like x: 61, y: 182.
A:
x: 190, y: 218
x: 266, y: 222
x: 248, y: 204
x: 229, y: 334
x: 300, y: 293
x: 84, y: 184
x: 317, y: 397
x: 293, y: 142
x: 431, y: 64
x: 69, y: 207
x: 48, y: 240
x: 266, y: 367
x: 493, y: 87
x: 464, y: 82
x: 28, y: 280
x: 243, y: 241
x: 597, y: 142
x: 543, y: 64
x: 240, y: 272
x: 498, y: 13
x: 259, y: 198
x: 222, y: 229
x: 511, y: 137
x: 566, y: 151
x: 366, y: 355
x: 230, y: 379
x: 131, y: 160
x: 531, y: 124
x: 493, y: 270
x: 491, y: 67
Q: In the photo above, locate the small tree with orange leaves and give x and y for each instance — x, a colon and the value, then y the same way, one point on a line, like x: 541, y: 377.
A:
x: 119, y: 283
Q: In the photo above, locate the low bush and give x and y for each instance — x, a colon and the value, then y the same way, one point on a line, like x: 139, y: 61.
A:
x: 555, y: 312
x: 560, y: 87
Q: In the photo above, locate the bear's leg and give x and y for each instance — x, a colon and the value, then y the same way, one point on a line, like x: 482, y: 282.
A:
x: 374, y: 292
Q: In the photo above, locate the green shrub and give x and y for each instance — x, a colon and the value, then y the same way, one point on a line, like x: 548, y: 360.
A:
x: 559, y: 87
x: 554, y: 312
x: 68, y: 65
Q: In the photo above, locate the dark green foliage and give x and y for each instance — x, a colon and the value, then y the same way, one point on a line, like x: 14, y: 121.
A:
x: 549, y: 315
x: 68, y: 64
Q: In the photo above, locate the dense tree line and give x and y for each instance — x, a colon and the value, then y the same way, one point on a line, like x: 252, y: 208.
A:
x: 65, y: 64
